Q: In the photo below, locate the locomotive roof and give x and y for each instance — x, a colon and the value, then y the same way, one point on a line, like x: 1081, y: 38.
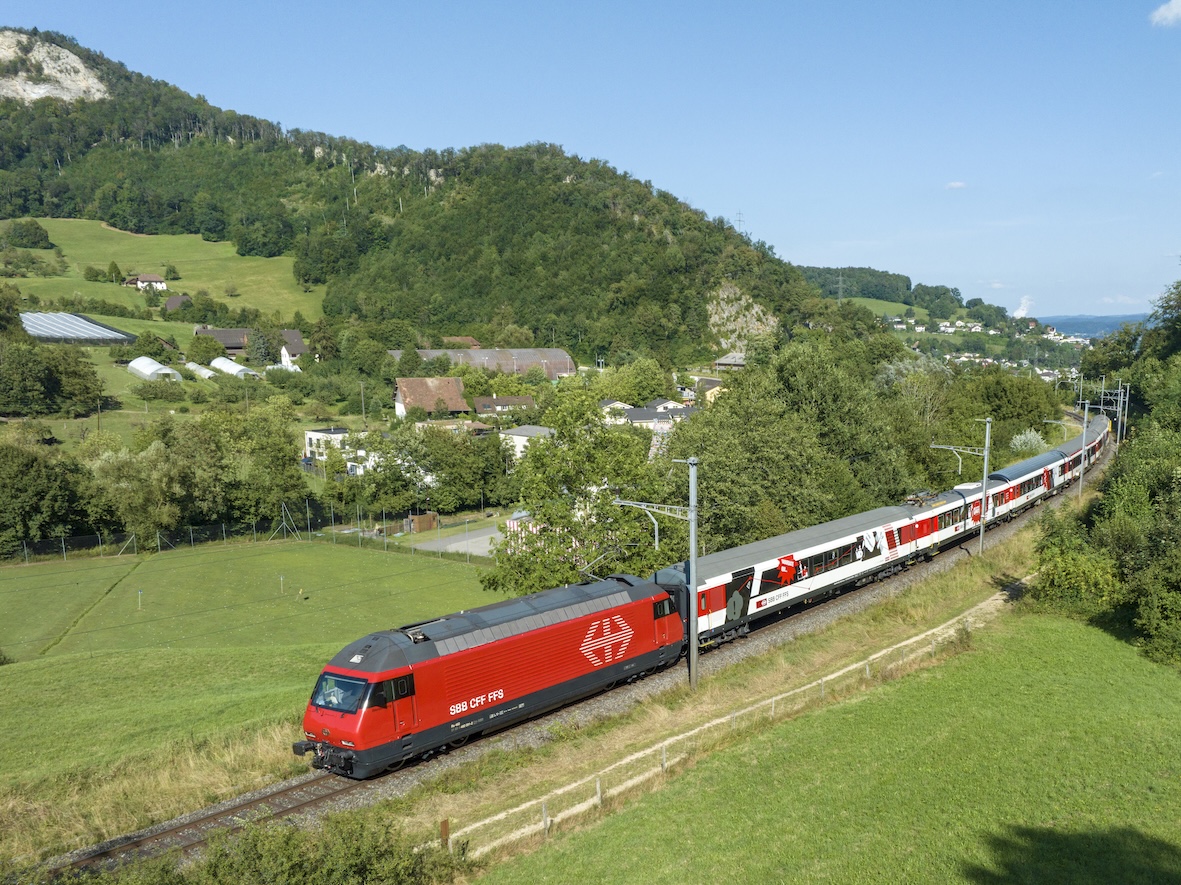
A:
x: 726, y: 562
x: 412, y: 643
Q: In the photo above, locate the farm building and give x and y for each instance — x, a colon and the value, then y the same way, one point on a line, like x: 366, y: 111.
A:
x: 430, y: 394
x: 200, y: 371
x: 229, y: 367
x: 71, y: 328
x: 147, y: 368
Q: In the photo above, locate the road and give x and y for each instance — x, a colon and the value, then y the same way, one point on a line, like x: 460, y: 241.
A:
x: 476, y: 542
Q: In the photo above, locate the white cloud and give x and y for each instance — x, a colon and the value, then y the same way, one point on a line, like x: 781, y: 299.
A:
x: 997, y: 284
x: 1123, y: 300
x: 959, y: 185
x: 1167, y: 14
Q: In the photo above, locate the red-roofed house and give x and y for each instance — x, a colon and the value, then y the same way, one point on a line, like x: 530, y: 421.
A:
x: 428, y: 393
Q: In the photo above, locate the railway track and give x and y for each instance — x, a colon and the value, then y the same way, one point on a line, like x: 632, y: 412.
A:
x: 190, y: 834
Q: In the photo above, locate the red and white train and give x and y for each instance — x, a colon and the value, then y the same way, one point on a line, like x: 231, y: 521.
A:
x: 398, y: 694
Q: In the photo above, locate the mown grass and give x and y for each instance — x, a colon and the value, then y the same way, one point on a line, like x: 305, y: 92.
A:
x: 124, y: 715
x: 1047, y: 753
x: 263, y: 283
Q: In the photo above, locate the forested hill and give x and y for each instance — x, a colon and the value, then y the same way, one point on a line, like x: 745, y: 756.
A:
x: 530, y: 243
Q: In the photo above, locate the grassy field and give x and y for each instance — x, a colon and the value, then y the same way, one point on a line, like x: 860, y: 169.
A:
x: 1047, y: 753
x: 133, y: 711
x: 263, y: 283
x: 891, y: 308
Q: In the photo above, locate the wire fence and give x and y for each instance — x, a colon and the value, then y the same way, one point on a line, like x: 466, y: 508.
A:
x: 613, y: 785
x: 306, y: 521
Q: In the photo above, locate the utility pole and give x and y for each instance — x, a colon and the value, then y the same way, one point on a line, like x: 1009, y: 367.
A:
x: 690, y: 515
x: 1082, y: 464
x: 972, y: 450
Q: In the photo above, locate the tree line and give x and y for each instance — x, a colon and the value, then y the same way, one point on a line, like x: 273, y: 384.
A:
x: 1118, y: 562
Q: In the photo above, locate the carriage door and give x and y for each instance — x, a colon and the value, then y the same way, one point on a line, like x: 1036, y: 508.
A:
x: 738, y: 594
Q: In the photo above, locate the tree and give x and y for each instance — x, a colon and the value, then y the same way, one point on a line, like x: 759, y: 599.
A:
x: 568, y: 484
x: 42, y: 496
x: 114, y: 274
x: 205, y: 349
x: 258, y: 348
x: 28, y: 234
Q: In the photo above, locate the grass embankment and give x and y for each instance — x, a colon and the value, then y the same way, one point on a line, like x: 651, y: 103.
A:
x: 1047, y: 753
x: 122, y: 715
x: 263, y: 283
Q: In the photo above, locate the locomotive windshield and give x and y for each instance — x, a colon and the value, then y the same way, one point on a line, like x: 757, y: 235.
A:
x: 341, y: 693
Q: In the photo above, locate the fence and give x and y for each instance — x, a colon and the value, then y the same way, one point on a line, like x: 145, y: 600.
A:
x: 587, y: 796
x: 307, y: 523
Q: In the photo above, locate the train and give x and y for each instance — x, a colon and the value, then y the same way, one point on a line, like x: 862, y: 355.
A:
x: 396, y: 695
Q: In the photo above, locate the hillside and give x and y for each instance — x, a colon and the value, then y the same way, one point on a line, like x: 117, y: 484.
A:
x: 514, y: 245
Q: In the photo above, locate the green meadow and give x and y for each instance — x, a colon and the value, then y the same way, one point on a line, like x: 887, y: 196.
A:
x: 181, y: 677
x: 263, y: 283
x: 1047, y: 753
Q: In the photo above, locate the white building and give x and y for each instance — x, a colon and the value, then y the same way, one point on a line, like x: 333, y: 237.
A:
x: 229, y: 367
x: 520, y: 437
x: 200, y: 371
x: 147, y: 368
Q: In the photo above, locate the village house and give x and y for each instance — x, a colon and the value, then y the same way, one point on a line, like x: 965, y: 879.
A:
x: 431, y: 395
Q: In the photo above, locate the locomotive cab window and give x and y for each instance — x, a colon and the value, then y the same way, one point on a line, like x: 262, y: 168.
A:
x: 662, y: 608
x: 340, y: 693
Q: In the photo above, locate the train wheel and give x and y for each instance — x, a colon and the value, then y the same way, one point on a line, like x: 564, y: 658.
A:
x: 396, y: 765
x: 458, y: 742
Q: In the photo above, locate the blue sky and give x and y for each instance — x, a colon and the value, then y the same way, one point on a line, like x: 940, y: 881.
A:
x: 1023, y: 152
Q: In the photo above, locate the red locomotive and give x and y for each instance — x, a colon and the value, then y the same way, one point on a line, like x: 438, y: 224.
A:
x: 398, y: 694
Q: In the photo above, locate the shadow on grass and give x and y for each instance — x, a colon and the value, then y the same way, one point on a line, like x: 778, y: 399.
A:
x: 1010, y: 585
x: 1037, y: 855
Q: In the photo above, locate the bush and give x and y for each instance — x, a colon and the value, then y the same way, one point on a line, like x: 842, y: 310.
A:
x: 165, y: 391
x: 1082, y: 582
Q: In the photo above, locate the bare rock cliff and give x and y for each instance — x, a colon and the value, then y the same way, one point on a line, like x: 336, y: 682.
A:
x: 33, y: 69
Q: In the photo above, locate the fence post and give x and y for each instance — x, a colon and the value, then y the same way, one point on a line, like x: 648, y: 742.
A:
x: 159, y: 549
x: 308, y: 510
x: 821, y: 688
x: 544, y: 819
x: 445, y: 833
x: 772, y: 708
x: 254, y: 530
x: 134, y: 544
x: 100, y: 544
x: 599, y: 792
x: 867, y: 669
x: 63, y: 547
x: 191, y: 544
x: 224, y: 539
x: 332, y: 516
x: 664, y: 757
